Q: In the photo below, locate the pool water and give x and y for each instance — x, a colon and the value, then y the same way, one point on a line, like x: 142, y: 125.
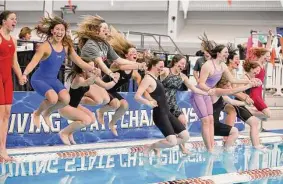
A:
x: 134, y: 168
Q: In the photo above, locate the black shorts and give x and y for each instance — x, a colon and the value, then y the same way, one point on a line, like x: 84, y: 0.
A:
x: 243, y: 113
x: 115, y: 95
x: 167, y: 123
x: 222, y: 129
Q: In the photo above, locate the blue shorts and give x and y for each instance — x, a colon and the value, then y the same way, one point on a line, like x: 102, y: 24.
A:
x: 42, y: 85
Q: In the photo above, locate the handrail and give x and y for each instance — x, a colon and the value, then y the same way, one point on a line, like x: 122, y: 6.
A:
x: 153, y: 36
x: 3, y: 5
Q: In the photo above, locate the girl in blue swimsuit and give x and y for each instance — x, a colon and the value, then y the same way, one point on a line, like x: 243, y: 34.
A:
x: 51, y: 54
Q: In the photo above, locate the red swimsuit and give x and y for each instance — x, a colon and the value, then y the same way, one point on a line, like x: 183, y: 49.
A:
x: 7, y: 50
x: 256, y: 93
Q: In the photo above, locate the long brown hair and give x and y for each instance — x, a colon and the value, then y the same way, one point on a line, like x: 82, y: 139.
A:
x: 119, y: 43
x: 247, y: 65
x: 255, y: 53
x: 232, y: 52
x: 43, y: 30
x: 210, y: 46
x: 89, y: 29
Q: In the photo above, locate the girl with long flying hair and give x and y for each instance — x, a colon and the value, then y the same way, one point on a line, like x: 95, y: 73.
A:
x: 56, y: 48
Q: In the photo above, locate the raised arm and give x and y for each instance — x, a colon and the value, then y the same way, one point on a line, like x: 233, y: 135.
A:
x: 191, y: 86
x: 233, y: 102
x: 122, y: 61
x: 231, y: 78
x: 269, y: 40
x: 221, y: 92
x: 132, y: 66
x: 78, y: 61
x: 103, y: 66
x: 81, y: 82
x: 105, y: 85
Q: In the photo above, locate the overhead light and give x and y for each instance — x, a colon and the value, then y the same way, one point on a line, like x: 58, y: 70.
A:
x: 185, y: 5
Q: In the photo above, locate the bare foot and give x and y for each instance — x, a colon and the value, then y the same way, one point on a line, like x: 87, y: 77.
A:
x: 113, y: 129
x: 71, y: 138
x: 46, y: 117
x: 4, y: 155
x: 100, y: 116
x: 36, y: 119
x: 64, y: 138
x: 146, y: 150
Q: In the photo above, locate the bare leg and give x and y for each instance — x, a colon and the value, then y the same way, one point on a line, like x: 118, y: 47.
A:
x: 205, y: 132
x: 51, y: 99
x: 118, y: 114
x: 95, y: 96
x: 5, y: 111
x: 67, y: 132
x: 234, y: 133
x: 261, y: 115
x: 80, y: 118
x: 113, y: 105
x: 254, y: 132
x: 183, y: 148
x: 169, y: 142
x: 63, y: 100
x: 211, y: 130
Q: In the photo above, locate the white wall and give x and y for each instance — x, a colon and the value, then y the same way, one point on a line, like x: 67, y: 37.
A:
x: 226, y: 26
x: 118, y: 5
x: 142, y: 21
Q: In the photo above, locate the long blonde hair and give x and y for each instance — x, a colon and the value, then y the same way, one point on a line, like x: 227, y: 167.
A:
x: 119, y: 43
x: 89, y: 29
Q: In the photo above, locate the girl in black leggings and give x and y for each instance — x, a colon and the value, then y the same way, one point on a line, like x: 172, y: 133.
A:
x: 172, y: 129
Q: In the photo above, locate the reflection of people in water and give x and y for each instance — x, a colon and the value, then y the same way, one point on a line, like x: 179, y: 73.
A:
x: 195, y: 165
x: 3, y: 178
x: 67, y: 180
x: 157, y: 170
x: 254, y: 163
